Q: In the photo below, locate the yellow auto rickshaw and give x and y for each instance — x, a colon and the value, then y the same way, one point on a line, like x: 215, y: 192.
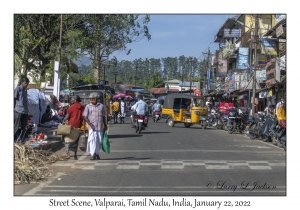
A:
x: 184, y: 108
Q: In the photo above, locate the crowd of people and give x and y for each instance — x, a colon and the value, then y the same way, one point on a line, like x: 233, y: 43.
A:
x: 93, y: 114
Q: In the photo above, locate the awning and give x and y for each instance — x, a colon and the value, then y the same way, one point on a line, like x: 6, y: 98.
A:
x: 224, y: 95
x: 241, y: 97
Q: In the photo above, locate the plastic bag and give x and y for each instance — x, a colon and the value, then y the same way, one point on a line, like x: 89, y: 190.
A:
x: 281, y: 114
x: 105, y: 143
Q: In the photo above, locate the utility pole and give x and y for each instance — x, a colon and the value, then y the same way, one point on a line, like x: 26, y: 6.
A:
x: 208, y: 65
x: 254, y: 75
x: 181, y: 78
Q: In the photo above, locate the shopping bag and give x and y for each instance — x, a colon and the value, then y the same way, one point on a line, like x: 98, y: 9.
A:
x: 105, y: 143
x: 73, y: 136
x: 82, y: 142
x: 281, y: 114
x: 64, y: 129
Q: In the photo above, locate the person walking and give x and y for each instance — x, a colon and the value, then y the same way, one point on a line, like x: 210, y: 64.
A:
x: 21, y: 107
x: 74, y: 118
x: 115, y: 110
x: 95, y: 116
x: 122, y: 110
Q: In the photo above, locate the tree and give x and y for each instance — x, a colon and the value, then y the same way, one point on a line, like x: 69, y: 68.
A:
x: 155, y: 81
x: 106, y: 33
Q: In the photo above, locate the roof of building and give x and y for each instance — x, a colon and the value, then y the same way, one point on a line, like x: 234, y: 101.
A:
x: 157, y: 91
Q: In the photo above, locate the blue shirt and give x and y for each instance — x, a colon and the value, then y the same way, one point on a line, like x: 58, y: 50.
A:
x: 20, y: 95
x: 157, y: 107
x: 141, y: 108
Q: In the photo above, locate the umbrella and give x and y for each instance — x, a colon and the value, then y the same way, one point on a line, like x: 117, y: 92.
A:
x: 120, y: 95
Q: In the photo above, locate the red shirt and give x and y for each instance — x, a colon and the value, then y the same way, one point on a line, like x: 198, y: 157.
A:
x: 75, y: 115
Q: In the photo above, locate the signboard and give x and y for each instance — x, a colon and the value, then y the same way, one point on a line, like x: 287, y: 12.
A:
x: 197, y: 92
x: 208, y: 78
x: 282, y: 47
x: 261, y: 60
x: 277, y: 70
x: 270, y: 46
x: 231, y: 82
x: 232, y: 33
x: 224, y: 107
x: 243, y: 58
x: 279, y: 31
x: 261, y: 75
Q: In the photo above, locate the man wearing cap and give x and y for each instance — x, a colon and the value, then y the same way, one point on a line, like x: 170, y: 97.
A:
x: 94, y: 114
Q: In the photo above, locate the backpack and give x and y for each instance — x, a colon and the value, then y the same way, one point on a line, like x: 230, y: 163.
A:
x: 116, y: 106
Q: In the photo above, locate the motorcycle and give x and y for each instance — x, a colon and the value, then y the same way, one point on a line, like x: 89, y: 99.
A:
x: 139, y: 123
x: 212, y: 119
x: 21, y: 135
x: 254, y: 126
x: 156, y: 116
x: 222, y: 121
x: 238, y: 120
x: 279, y: 134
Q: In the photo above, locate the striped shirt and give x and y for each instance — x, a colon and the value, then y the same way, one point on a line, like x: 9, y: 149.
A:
x: 95, y: 114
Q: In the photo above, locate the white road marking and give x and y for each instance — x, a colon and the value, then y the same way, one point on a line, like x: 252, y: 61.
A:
x: 172, y: 166
x: 260, y: 167
x: 84, y: 156
x: 128, y: 166
x: 44, y: 184
x: 217, y: 167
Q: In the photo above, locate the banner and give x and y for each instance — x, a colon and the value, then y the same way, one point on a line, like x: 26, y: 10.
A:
x: 270, y: 46
x: 224, y: 107
x: 243, y: 58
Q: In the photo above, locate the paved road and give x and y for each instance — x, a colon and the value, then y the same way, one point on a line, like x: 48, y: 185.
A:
x: 164, y: 161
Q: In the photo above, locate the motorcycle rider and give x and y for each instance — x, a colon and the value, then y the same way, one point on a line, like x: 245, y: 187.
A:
x: 132, y: 116
x: 141, y: 107
x: 156, y: 108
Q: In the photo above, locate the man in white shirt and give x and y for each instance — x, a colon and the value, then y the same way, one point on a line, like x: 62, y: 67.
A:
x: 132, y: 115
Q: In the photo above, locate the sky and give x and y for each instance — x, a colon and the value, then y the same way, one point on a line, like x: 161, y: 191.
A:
x: 176, y: 35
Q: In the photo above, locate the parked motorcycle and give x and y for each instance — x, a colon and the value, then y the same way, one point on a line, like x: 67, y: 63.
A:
x: 237, y: 120
x: 254, y: 127
x: 156, y: 116
x: 21, y: 135
x: 279, y: 134
x: 267, y: 130
x: 222, y: 121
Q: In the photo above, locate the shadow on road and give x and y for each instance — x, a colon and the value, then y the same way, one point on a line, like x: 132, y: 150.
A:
x: 145, y: 132
x: 127, y: 158
x: 124, y: 136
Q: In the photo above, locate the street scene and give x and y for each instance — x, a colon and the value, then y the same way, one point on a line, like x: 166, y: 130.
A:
x: 97, y: 115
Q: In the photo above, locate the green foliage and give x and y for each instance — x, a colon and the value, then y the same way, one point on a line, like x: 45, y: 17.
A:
x: 155, y: 81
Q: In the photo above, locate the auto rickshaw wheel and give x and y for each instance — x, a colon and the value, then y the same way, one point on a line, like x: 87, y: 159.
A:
x: 187, y: 125
x: 171, y: 122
